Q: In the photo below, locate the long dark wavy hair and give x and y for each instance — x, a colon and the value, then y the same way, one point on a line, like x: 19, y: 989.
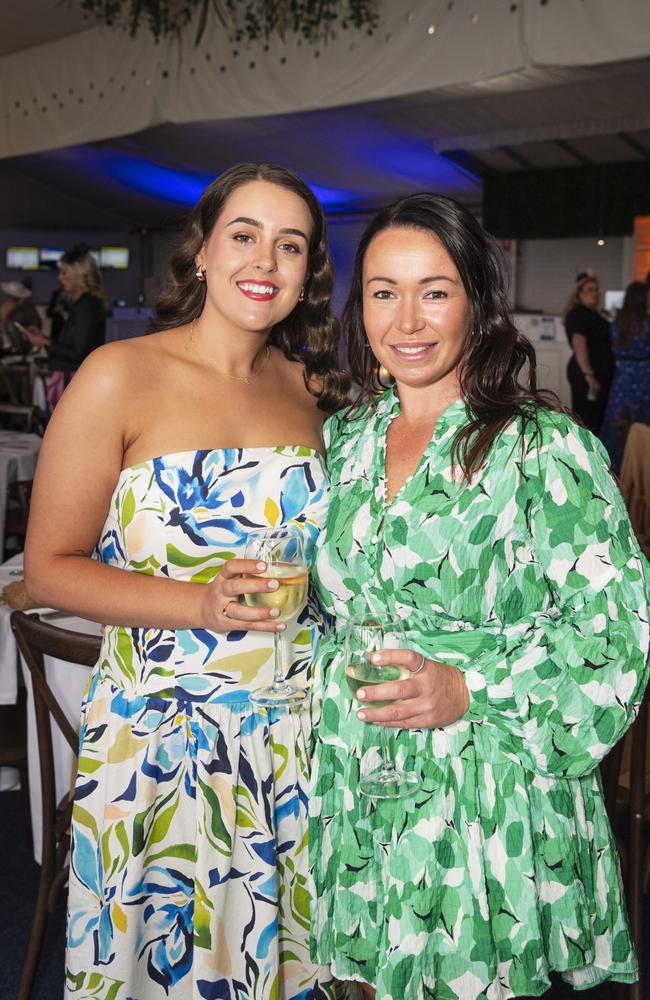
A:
x: 310, y: 333
x: 633, y: 314
x: 497, y: 370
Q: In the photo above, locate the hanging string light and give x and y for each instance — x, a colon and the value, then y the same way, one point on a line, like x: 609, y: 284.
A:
x: 244, y: 20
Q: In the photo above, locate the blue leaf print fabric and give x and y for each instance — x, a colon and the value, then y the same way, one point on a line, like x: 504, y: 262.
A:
x: 188, y: 873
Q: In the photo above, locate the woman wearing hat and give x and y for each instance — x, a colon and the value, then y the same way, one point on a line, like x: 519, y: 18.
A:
x: 15, y: 311
x: 591, y: 367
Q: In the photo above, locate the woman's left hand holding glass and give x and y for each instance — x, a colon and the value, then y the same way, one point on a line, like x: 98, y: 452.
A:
x: 434, y: 696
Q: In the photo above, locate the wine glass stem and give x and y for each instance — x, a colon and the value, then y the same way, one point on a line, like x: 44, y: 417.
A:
x: 278, y: 675
x: 388, y: 764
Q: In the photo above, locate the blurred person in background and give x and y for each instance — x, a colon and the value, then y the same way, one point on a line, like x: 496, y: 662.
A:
x: 84, y: 327
x: 629, y: 397
x: 591, y: 367
x: 16, y: 311
x: 57, y: 310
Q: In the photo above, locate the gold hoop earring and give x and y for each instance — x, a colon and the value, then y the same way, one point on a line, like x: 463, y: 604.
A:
x: 200, y: 273
x: 301, y: 297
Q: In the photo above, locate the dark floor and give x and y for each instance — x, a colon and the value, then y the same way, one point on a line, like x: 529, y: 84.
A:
x: 18, y: 887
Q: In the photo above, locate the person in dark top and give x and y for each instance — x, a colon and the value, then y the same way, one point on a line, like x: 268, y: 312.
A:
x: 57, y: 309
x: 591, y: 367
x: 84, y: 327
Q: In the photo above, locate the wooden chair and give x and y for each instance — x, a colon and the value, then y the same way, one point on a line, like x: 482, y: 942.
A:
x: 624, y: 773
x: 625, y: 801
x: 17, y: 416
x: 7, y: 386
x: 19, y: 495
x: 36, y: 639
x: 635, y: 482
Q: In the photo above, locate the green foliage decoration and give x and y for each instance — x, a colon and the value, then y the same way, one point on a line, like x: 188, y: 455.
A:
x: 244, y: 20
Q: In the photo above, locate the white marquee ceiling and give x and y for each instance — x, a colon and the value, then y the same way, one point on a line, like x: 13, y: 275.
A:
x: 498, y: 85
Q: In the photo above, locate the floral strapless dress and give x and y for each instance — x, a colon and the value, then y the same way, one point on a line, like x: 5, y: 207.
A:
x: 189, y: 874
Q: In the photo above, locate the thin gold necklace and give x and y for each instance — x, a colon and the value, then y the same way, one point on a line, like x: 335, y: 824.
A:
x: 234, y: 378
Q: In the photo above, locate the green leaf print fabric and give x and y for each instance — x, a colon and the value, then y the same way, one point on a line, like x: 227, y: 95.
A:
x: 502, y: 867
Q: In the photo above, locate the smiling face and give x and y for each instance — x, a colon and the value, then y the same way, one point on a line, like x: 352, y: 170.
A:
x: 415, y: 310
x: 256, y: 256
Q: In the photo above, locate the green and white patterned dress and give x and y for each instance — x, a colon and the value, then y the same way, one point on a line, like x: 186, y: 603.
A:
x: 502, y: 867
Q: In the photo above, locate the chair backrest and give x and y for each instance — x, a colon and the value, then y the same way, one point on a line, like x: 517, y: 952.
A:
x: 20, y: 490
x: 19, y: 496
x: 635, y: 481
x: 36, y: 639
x: 17, y: 416
x: 7, y: 390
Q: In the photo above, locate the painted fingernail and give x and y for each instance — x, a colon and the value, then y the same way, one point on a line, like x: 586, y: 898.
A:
x: 362, y: 716
x: 274, y: 613
x: 261, y: 565
x: 375, y: 657
x: 273, y: 585
x: 361, y: 694
x: 281, y: 626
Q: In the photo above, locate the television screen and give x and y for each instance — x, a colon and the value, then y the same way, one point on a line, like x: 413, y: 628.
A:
x: 49, y: 256
x: 23, y: 258
x: 114, y: 257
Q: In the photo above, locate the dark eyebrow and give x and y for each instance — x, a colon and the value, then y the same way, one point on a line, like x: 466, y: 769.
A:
x: 294, y: 232
x: 247, y: 222
x: 259, y: 225
x: 423, y: 281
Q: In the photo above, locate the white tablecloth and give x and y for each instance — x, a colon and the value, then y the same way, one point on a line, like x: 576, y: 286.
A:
x: 10, y: 571
x: 18, y: 454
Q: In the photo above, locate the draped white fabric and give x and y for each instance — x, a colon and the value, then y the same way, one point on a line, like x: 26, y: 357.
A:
x: 100, y: 83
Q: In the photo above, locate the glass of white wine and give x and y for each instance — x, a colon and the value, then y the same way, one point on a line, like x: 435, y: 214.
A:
x: 366, y: 635
x: 283, y: 551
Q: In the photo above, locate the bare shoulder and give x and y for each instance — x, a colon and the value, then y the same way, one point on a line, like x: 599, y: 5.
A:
x: 117, y: 367
x: 294, y: 374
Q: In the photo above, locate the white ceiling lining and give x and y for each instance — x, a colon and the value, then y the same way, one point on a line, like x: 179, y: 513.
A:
x: 471, y: 85
x: 101, y: 83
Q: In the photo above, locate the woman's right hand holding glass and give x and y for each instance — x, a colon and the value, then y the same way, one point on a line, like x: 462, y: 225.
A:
x: 223, y: 611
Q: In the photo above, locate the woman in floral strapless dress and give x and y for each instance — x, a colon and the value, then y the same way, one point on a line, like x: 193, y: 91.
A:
x: 188, y: 875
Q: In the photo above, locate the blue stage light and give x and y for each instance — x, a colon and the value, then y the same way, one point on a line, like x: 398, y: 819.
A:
x: 184, y: 187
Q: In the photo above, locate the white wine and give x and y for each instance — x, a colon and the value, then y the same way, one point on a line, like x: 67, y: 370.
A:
x: 363, y: 674
x: 290, y: 596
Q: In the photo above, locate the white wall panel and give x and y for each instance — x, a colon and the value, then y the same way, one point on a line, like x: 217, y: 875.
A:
x: 546, y: 269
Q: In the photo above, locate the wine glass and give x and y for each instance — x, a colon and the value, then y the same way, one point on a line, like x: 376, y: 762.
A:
x: 283, y: 551
x: 364, y: 636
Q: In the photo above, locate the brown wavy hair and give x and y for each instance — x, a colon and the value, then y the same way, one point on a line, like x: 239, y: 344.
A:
x: 633, y: 314
x: 497, y: 371
x: 310, y: 334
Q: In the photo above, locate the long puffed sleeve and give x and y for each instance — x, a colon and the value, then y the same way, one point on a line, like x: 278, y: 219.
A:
x: 564, y: 684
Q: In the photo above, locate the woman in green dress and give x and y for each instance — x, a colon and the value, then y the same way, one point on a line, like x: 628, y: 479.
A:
x: 470, y: 508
